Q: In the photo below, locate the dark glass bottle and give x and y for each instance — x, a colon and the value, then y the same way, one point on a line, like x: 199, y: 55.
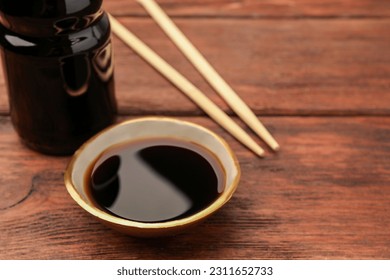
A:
x: 57, y: 57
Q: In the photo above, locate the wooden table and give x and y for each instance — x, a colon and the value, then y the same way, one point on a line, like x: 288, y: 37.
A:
x: 318, y: 75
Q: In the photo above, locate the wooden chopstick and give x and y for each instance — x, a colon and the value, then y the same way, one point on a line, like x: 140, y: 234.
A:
x: 208, y: 72
x: 184, y: 85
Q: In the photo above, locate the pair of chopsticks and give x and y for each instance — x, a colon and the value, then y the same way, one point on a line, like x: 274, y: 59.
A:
x: 205, y: 69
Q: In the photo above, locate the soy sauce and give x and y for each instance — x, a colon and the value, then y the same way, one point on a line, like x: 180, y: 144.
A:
x: 57, y: 59
x: 155, y: 180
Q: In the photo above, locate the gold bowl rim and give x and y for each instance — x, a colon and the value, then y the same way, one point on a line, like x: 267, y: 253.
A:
x: 104, y: 216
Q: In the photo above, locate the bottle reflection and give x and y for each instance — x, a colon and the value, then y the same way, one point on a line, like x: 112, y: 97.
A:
x: 76, y: 73
x: 103, y: 63
x: 105, y: 181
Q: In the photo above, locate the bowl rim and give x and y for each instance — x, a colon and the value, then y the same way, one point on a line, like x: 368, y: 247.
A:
x: 115, y: 220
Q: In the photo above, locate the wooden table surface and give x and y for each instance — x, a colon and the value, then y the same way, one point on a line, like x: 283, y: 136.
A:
x: 318, y: 75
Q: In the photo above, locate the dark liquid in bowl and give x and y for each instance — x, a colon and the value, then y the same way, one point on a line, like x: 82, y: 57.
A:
x: 155, y: 180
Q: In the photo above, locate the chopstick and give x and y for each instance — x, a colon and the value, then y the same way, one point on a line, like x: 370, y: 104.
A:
x: 184, y: 85
x: 208, y: 72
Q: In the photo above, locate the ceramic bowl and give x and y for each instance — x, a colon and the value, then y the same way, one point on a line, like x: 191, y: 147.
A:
x: 147, y: 128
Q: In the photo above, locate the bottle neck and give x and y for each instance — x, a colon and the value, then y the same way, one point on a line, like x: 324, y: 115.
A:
x: 42, y: 18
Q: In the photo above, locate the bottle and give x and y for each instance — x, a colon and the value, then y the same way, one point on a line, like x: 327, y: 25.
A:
x: 57, y: 59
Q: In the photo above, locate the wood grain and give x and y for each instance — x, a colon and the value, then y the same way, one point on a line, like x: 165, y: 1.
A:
x: 325, y: 195
x: 256, y: 8
x: 278, y: 67
x: 320, y: 70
